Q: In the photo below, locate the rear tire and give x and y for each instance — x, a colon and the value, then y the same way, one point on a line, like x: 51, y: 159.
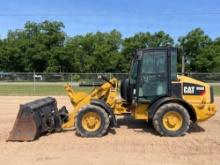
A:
x: 171, y: 120
x: 92, y: 121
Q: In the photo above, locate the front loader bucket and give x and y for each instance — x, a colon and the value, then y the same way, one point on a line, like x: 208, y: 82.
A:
x: 35, y: 119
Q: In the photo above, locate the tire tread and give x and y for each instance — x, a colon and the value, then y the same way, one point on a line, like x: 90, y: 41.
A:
x: 104, y: 129
x: 165, y: 107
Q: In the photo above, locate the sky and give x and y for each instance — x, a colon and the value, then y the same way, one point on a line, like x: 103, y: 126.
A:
x: 175, y: 17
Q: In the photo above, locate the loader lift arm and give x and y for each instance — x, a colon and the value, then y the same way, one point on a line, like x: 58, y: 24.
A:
x: 106, y: 92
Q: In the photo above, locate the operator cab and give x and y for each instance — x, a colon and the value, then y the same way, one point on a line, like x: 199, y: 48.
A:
x: 151, y: 74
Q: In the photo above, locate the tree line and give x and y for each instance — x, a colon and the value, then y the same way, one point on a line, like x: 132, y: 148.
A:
x: 45, y: 47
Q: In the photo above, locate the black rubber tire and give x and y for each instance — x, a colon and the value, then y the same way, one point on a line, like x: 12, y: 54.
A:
x: 104, y: 121
x: 158, y: 124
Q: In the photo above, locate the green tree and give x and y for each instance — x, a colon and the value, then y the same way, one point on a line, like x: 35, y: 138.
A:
x: 30, y: 49
x: 215, y: 56
x: 97, y: 52
x: 44, y: 47
x: 192, y: 46
x: 143, y: 40
x: 60, y: 60
x: 11, y: 58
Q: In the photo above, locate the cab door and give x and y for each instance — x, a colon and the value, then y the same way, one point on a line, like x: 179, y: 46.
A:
x: 153, y: 75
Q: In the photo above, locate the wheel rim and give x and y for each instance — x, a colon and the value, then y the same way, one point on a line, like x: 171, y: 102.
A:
x: 91, y: 121
x: 172, y: 121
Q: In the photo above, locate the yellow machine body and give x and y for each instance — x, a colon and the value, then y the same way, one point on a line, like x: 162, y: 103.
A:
x: 203, y: 109
x: 202, y: 105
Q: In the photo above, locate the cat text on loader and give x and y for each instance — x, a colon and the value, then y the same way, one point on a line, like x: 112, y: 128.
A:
x: 152, y: 92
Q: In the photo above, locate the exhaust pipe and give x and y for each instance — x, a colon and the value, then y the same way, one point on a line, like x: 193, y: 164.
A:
x: 36, y: 118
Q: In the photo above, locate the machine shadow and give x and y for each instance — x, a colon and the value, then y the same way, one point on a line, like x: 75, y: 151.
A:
x: 142, y: 126
x: 139, y: 126
x: 136, y: 125
x: 195, y: 128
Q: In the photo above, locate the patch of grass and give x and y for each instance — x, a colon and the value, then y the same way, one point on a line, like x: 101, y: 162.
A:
x: 216, y: 90
x: 38, y: 90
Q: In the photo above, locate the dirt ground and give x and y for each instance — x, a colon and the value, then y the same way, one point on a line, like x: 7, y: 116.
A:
x: 134, y: 142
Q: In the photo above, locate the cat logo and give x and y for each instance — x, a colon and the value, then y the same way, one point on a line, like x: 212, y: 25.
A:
x: 193, y: 89
x: 189, y: 89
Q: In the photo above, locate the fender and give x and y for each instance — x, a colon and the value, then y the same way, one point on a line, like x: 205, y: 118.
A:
x: 107, y: 108
x: 165, y: 99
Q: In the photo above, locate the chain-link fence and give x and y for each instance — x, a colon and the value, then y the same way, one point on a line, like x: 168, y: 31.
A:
x: 57, y: 77
x: 206, y: 77
x: 86, y: 77
x: 52, y: 83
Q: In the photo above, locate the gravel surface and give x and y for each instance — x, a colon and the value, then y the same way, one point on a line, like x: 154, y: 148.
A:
x: 134, y: 142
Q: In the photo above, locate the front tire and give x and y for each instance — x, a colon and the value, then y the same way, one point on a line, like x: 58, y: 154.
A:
x: 172, y: 120
x: 92, y: 121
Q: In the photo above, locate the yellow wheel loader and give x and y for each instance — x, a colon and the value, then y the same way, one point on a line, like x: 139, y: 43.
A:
x: 152, y: 92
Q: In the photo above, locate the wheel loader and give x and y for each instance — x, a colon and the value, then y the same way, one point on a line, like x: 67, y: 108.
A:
x: 153, y: 92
